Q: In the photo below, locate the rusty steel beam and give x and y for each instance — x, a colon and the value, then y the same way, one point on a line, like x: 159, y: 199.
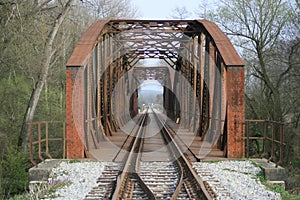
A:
x: 90, y: 38
x: 191, y: 47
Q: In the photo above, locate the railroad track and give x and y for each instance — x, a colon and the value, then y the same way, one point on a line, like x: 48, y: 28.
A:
x: 133, y: 179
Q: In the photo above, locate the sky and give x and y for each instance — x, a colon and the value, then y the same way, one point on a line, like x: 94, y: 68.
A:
x: 163, y: 9
x: 151, y: 85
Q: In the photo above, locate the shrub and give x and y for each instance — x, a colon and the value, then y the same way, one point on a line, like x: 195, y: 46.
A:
x: 14, y: 166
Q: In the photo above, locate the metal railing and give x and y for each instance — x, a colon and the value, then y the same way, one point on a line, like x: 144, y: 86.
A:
x: 264, y: 139
x: 47, y: 139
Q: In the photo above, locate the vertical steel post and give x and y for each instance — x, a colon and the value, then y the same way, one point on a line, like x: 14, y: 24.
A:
x: 247, y: 142
x: 31, y: 146
x: 47, y: 140
x: 281, y: 145
x: 39, y: 142
x: 265, y: 138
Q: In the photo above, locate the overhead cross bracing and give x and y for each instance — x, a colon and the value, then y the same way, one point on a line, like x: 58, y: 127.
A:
x: 143, y: 39
x: 203, y: 87
x: 160, y: 74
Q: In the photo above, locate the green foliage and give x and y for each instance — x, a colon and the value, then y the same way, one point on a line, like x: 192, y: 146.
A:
x: 1, y: 182
x: 284, y: 194
x: 24, y: 27
x: 295, y: 163
x: 59, y: 185
x: 50, y: 193
x: 267, y: 36
x: 276, y: 188
x: 21, y: 197
x: 261, y: 177
x: 14, y: 92
x: 74, y: 161
x: 14, y: 165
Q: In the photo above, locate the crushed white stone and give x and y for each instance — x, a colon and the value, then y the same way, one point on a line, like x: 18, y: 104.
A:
x: 238, y: 178
x: 79, y: 177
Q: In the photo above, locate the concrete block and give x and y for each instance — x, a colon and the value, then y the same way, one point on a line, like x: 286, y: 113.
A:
x: 271, y: 172
x: 279, y: 183
x: 42, y: 172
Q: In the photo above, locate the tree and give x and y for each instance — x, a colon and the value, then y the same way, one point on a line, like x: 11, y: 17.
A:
x: 48, y: 53
x: 206, y: 8
x: 180, y: 13
x: 257, y: 27
x: 19, y: 50
x: 266, y: 34
x: 53, y: 52
x: 106, y: 9
x: 32, y: 84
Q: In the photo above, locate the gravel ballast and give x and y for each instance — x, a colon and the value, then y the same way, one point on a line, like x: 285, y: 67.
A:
x: 79, y: 178
x: 235, y: 179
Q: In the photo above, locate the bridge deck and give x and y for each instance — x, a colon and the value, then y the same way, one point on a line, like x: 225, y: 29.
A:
x: 154, y: 149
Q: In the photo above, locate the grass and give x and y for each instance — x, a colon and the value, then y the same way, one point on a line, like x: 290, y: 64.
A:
x: 74, y: 161
x: 284, y: 194
x: 42, y: 194
x: 216, y: 161
x: 276, y: 188
x: 21, y: 197
x: 50, y: 193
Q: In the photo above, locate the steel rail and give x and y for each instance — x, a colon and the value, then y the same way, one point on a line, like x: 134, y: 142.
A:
x: 127, y: 140
x: 184, y: 165
x: 187, y: 147
x: 130, y: 170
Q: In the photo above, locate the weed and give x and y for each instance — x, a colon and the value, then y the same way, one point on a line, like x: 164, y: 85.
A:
x: 74, y: 161
x: 53, y: 186
x: 276, y: 188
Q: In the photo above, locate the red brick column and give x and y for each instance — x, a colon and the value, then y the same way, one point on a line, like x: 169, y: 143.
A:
x: 74, y: 112
x: 235, y: 112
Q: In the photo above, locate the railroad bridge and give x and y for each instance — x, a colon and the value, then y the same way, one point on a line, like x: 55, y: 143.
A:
x: 200, y: 73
